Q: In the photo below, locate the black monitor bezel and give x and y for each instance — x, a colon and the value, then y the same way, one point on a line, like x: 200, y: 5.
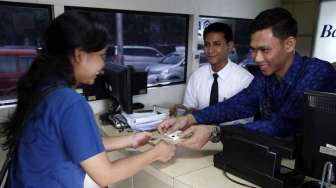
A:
x: 319, y: 109
x: 121, y: 77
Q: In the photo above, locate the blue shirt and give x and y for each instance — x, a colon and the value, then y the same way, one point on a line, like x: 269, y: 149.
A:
x: 280, y: 103
x: 59, y: 134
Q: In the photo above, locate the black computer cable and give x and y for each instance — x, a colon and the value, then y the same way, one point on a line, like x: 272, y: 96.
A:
x: 235, y: 181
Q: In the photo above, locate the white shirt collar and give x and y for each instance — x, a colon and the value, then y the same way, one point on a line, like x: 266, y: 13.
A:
x: 224, y: 71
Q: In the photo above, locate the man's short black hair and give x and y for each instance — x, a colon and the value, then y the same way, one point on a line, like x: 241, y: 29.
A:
x: 281, y: 22
x: 219, y: 27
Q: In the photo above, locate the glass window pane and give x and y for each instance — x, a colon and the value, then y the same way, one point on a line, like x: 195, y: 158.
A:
x: 172, y: 59
x: 146, y: 39
x: 25, y: 63
x: 7, y: 64
x: 240, y: 29
x: 149, y: 53
x: 21, y: 29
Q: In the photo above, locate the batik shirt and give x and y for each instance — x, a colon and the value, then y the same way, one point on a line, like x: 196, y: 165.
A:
x: 280, y: 103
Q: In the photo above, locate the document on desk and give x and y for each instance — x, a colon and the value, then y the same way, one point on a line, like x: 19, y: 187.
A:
x: 144, y: 121
x: 146, y: 126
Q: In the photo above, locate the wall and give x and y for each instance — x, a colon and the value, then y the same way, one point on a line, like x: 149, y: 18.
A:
x: 305, y: 12
x: 325, y: 34
x: 169, y: 95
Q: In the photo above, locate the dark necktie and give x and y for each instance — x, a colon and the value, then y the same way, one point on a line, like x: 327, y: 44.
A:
x: 214, y: 91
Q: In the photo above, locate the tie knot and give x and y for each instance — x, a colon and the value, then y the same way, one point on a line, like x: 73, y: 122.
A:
x: 215, y: 75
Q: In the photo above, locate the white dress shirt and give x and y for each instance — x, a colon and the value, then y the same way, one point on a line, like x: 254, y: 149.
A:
x: 231, y: 80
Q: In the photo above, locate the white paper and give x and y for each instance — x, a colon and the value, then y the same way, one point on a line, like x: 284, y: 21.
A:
x: 147, y: 117
x: 146, y: 126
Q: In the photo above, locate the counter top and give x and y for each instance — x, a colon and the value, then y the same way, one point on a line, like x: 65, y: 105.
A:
x: 188, y: 168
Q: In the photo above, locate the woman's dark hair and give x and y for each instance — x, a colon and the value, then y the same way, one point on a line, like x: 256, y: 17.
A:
x: 281, y: 22
x: 67, y: 32
x: 221, y: 28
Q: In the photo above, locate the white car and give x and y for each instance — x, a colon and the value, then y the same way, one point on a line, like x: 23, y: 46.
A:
x: 139, y: 56
x: 169, y: 69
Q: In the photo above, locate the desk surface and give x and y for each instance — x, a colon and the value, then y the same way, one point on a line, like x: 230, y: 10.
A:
x: 187, y: 169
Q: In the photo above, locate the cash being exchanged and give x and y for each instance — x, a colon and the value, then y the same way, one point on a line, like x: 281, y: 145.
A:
x: 172, y: 138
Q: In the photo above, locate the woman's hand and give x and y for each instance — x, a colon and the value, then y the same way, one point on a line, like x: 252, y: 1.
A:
x: 140, y: 139
x: 164, y: 151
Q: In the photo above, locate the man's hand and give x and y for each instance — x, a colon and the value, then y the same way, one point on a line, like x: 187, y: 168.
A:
x: 178, y: 123
x: 180, y: 107
x: 196, y: 136
x: 140, y: 139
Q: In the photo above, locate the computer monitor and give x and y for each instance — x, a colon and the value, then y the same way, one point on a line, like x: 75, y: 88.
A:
x: 137, y: 85
x: 139, y: 82
x: 118, y: 85
x: 318, y: 141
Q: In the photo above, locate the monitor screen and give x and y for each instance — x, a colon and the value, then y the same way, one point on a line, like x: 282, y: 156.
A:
x: 318, y: 143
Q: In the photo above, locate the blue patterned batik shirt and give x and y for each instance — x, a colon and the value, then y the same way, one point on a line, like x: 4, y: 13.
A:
x: 280, y: 103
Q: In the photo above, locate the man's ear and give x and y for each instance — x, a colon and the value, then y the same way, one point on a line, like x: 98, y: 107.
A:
x: 290, y: 44
x: 231, y: 45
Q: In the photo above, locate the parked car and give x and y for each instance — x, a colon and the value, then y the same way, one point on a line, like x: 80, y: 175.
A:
x: 13, y: 63
x: 169, y: 69
x: 139, y: 56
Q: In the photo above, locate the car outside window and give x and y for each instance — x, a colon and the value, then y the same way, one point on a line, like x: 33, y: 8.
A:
x: 139, y: 57
x: 161, y: 34
x: 13, y: 63
x: 169, y: 69
x: 22, y: 30
x: 25, y: 63
x: 141, y: 52
x: 172, y: 59
x: 7, y: 64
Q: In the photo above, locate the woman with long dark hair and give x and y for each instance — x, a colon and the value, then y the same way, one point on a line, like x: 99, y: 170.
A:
x: 56, y: 141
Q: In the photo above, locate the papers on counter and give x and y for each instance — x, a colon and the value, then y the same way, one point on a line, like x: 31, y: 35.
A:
x: 144, y: 121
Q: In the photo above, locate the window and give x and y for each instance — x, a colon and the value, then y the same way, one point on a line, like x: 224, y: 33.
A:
x: 7, y: 64
x: 142, y: 52
x: 146, y: 39
x: 241, y: 37
x: 21, y: 28
x: 25, y: 62
x: 172, y: 59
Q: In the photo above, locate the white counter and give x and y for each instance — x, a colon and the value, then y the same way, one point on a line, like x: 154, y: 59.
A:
x: 188, y: 169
